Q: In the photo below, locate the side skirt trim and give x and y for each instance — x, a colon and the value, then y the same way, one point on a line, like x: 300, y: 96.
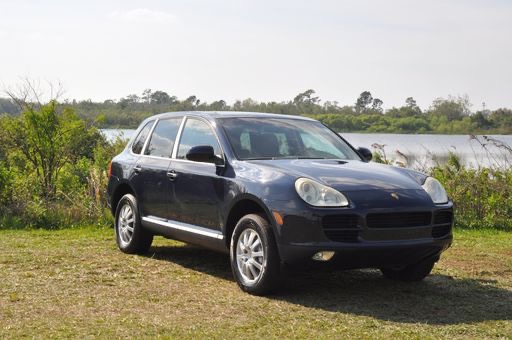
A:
x: 186, y: 227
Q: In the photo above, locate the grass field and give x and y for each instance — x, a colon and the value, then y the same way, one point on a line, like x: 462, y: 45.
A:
x: 75, y: 283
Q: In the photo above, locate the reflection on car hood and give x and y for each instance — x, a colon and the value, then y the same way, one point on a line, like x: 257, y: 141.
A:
x: 347, y: 175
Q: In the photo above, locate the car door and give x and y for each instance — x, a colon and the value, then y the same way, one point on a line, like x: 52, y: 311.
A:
x: 151, y: 181
x: 197, y: 186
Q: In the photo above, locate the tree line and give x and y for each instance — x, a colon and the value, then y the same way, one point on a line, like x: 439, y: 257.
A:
x: 54, y: 159
x: 453, y: 114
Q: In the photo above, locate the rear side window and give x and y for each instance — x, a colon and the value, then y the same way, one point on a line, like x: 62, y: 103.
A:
x: 163, y: 137
x: 138, y: 144
x: 197, y: 133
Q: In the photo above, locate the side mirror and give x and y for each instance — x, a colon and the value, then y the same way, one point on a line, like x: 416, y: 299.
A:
x: 366, y: 153
x: 201, y: 153
x: 204, y: 154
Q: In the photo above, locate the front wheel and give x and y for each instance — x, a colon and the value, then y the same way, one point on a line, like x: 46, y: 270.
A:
x: 131, y: 237
x: 254, y: 257
x: 412, y: 272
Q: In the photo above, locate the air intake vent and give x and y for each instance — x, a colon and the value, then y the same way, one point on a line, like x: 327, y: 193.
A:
x: 443, y: 217
x: 399, y: 220
x: 341, y: 228
x: 441, y: 231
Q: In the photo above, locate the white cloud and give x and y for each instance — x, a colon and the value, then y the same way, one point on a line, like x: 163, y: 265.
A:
x: 143, y: 15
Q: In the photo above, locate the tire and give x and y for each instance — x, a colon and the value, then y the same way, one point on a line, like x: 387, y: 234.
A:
x: 131, y: 237
x: 255, y: 261
x: 410, y: 273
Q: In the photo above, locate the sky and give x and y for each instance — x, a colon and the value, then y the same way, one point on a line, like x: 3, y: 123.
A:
x: 265, y: 50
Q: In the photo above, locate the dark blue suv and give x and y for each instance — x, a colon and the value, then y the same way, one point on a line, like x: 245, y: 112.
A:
x: 274, y: 190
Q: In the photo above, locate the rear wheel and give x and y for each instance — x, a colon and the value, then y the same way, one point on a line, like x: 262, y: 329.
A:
x: 131, y: 237
x: 413, y: 272
x: 255, y: 261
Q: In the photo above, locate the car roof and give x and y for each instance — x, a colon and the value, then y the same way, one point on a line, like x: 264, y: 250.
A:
x: 227, y: 114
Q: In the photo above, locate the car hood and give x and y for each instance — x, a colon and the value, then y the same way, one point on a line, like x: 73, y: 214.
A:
x: 348, y: 175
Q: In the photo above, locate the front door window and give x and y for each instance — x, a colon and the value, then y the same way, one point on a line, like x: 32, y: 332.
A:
x: 197, y: 132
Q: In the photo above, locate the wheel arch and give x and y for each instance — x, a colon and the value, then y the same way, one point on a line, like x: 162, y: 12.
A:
x: 244, y: 205
x: 121, y: 190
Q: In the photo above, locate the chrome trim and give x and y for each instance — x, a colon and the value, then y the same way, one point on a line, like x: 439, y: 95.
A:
x: 137, y: 133
x: 156, y: 157
x: 193, y: 162
x: 186, y: 227
x: 178, y: 138
x: 143, y: 151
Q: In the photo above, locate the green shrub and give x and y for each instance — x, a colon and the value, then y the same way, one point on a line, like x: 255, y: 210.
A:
x: 57, y: 144
x: 5, y: 186
x: 482, y: 197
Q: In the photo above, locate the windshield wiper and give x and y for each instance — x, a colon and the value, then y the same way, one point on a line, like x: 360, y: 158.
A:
x: 282, y: 157
x: 258, y: 158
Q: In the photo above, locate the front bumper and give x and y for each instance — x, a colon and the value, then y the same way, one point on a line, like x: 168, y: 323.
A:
x: 368, y: 254
x: 358, y: 238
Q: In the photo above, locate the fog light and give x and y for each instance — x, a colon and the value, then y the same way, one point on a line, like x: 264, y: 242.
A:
x: 323, y: 256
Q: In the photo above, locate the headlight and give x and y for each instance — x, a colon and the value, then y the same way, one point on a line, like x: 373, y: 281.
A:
x: 318, y: 194
x: 435, y: 190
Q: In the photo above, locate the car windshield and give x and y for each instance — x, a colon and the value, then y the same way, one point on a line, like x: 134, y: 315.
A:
x: 278, y: 138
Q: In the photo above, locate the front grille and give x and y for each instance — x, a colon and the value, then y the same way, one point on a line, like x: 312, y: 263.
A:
x: 339, y: 221
x: 341, y: 228
x: 443, y: 217
x: 398, y: 220
x: 441, y: 231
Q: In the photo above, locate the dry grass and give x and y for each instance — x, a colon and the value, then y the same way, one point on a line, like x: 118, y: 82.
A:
x: 75, y: 283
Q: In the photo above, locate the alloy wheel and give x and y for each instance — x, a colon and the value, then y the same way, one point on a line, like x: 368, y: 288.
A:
x: 125, y: 224
x: 250, y: 256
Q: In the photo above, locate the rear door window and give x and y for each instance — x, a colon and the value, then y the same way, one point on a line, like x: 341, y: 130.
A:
x: 163, y: 137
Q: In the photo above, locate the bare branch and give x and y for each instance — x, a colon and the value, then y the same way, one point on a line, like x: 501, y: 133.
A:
x: 29, y: 93
x: 56, y: 90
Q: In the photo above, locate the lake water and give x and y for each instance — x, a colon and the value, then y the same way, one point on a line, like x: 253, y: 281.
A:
x: 417, y: 151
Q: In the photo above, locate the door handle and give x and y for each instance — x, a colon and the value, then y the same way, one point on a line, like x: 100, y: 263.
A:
x: 137, y: 169
x: 172, y: 175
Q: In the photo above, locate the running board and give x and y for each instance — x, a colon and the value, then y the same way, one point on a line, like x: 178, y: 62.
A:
x: 186, y: 227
